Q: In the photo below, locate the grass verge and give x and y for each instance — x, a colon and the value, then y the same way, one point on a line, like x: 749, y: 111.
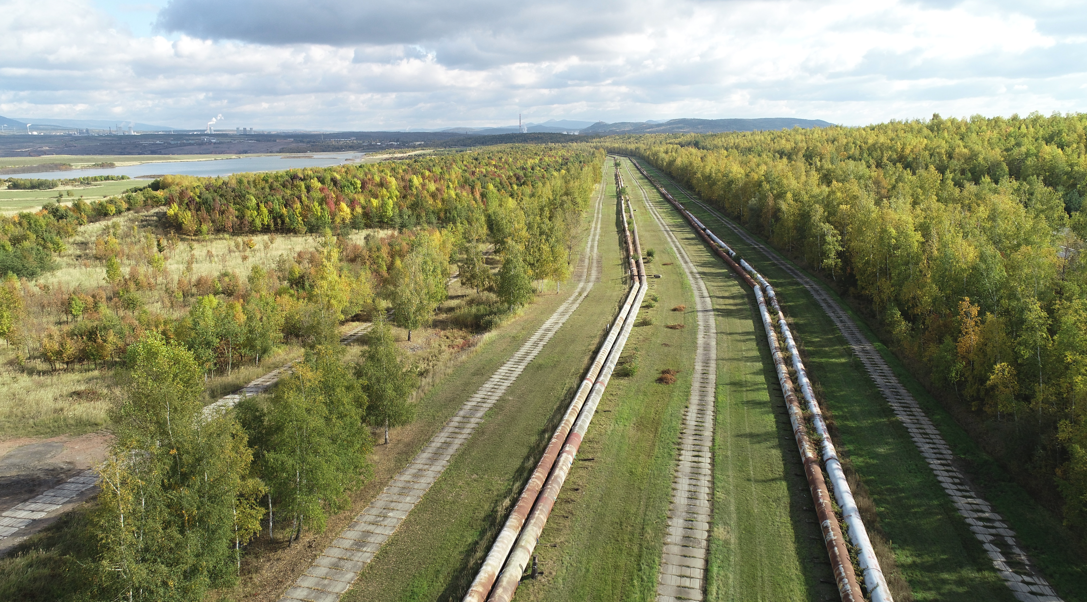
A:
x: 764, y: 543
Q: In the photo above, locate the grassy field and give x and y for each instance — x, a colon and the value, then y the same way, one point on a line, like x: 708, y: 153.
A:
x: 936, y: 552
x: 764, y: 543
x: 12, y: 201
x: 78, y: 161
x: 38, y: 401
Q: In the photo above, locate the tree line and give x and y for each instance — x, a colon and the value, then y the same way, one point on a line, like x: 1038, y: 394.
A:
x: 963, y: 238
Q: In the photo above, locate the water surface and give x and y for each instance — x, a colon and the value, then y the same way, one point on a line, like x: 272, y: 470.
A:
x: 217, y: 167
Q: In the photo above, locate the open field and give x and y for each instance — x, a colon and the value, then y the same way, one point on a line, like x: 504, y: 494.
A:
x: 12, y: 201
x: 935, y: 550
x: 38, y: 401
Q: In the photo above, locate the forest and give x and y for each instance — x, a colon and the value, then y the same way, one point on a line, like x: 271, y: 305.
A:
x: 182, y: 493
x: 962, y: 238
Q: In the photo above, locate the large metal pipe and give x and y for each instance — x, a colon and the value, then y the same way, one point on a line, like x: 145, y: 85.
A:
x: 510, y: 576
x: 844, y: 576
x: 875, y: 581
x: 874, y: 578
x: 500, y: 550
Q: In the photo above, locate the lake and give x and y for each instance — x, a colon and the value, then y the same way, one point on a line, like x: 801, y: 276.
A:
x: 217, y: 167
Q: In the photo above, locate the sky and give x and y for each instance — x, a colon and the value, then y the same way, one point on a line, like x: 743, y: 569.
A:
x: 398, y: 64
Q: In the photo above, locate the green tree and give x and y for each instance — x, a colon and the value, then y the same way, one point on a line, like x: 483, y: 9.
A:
x: 315, y: 447
x: 177, y: 500
x: 200, y: 331
x: 76, y: 305
x: 387, y: 380
x: 261, y: 330
x: 11, y: 308
x: 473, y: 268
x: 514, y: 285
x: 113, y: 270
x: 230, y: 326
x: 417, y: 284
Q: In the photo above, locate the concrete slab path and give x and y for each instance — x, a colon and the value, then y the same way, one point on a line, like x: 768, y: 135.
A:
x: 333, y: 572
x: 683, y: 563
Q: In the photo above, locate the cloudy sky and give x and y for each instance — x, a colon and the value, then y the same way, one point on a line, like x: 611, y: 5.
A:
x: 395, y: 64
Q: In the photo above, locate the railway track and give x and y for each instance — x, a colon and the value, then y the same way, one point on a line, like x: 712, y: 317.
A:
x: 997, y: 539
x: 683, y: 563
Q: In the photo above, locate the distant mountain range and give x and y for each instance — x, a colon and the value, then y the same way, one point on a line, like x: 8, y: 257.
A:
x: 703, y: 126
x: 93, y: 124
x: 12, y: 124
x: 672, y: 126
x: 551, y: 126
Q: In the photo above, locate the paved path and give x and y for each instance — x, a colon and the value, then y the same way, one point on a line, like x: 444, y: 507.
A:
x: 266, y: 382
x: 63, y: 496
x: 683, y: 564
x: 333, y: 572
x: 998, y: 540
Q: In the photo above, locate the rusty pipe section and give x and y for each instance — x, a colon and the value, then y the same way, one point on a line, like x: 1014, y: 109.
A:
x: 510, y: 577
x: 874, y: 580
x: 845, y: 577
x: 500, y: 550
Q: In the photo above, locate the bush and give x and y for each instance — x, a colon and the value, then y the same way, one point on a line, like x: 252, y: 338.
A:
x: 25, y: 261
x: 478, y: 315
x: 627, y: 366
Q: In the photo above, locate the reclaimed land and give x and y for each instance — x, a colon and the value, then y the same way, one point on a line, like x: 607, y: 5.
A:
x: 449, y: 531
x: 605, y: 538
x: 933, y: 546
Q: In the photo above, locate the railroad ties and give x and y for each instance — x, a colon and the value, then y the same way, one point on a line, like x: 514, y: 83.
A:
x: 999, y: 542
x: 25, y: 514
x: 333, y: 572
x: 683, y: 563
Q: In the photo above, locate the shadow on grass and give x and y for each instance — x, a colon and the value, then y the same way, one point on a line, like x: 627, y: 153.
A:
x: 56, y: 565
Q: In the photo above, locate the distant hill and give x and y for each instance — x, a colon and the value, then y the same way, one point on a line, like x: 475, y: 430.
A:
x: 673, y: 126
x: 703, y: 126
x: 97, y: 124
x: 12, y: 124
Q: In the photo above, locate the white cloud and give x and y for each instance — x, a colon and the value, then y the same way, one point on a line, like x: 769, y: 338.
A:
x: 342, y: 64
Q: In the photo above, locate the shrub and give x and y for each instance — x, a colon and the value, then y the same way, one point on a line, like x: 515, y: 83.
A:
x: 668, y: 376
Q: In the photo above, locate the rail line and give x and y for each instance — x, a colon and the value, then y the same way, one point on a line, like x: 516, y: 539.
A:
x: 837, y: 551
x: 997, y: 539
x: 505, y: 564
x: 683, y: 562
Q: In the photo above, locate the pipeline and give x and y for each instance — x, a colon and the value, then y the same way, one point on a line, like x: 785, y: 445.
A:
x: 559, y: 445
x: 510, y: 577
x: 875, y: 581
